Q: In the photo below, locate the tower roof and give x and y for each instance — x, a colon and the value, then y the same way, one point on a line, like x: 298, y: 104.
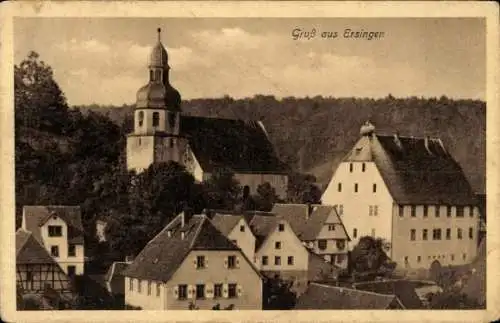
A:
x: 158, y: 56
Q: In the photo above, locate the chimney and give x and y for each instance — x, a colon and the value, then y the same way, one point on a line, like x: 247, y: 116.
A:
x: 309, y: 210
x: 186, y: 216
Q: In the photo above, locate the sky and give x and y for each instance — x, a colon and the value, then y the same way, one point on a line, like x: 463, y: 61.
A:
x: 104, y: 60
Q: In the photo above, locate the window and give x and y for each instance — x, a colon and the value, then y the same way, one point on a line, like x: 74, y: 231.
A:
x: 217, y: 290
x: 71, y: 271
x: 448, y: 211
x: 55, y: 231
x: 277, y: 245
x: 231, y: 262
x: 419, y: 259
x: 158, y: 289
x: 375, y: 210
x: 71, y: 250
x: 452, y: 257
x: 341, y: 209
x: 156, y: 119
x: 355, y: 187
x: 281, y: 227
x: 322, y: 244
x: 141, y: 118
x: 471, y: 233
x: 172, y: 118
x: 436, y: 234
x: 448, y: 234
x: 54, y: 251
x: 354, y: 233
x: 340, y: 244
x: 426, y: 211
x: 413, y: 211
x: 149, y: 288
x: 340, y: 259
x: 464, y: 256
x: 231, y: 291
x: 139, y: 286
x: 460, y: 211
x: 200, y: 262
x: 413, y: 234
x: 437, y: 211
x: 459, y: 234
x: 424, y: 234
x: 374, y: 188
x: 151, y: 75
x: 401, y: 210
x: 363, y: 167
x: 277, y: 260
x: 171, y: 142
x: 339, y: 187
x: 200, y: 291
x: 182, y: 291
x: 406, y: 259
x: 242, y: 228
x: 471, y: 211
x: 290, y: 260
x: 331, y: 227
x: 370, y: 210
x: 264, y: 260
x: 131, y: 284
x: 351, y: 166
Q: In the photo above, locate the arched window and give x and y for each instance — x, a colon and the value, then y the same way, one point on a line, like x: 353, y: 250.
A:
x: 156, y: 119
x: 141, y: 118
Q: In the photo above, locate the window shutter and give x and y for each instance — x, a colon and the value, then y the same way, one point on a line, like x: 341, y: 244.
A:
x: 206, y: 262
x: 237, y: 262
x: 225, y: 291
x: 190, y: 292
x: 225, y: 262
x: 209, y: 290
x: 176, y: 292
x: 240, y: 290
x: 195, y: 262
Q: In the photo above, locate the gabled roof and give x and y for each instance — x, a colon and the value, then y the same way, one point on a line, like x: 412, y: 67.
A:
x: 163, y: 255
x: 318, y: 268
x: 29, y: 251
x: 308, y: 228
x: 324, y: 297
x: 242, y: 146
x: 415, y: 170
x: 262, y: 226
x: 403, y: 289
x: 225, y: 223
x: 37, y: 215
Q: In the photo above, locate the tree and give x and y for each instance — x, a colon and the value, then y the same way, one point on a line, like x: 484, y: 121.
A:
x: 155, y: 197
x: 368, y: 257
x: 266, y: 197
x: 39, y: 102
x: 277, y: 294
x: 453, y: 300
x: 222, y: 190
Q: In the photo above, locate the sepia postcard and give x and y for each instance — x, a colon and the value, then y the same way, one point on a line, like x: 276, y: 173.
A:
x: 249, y: 161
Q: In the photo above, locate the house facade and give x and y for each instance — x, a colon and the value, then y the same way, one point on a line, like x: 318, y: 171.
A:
x: 410, y: 192
x: 36, y: 270
x: 192, y: 265
x: 59, y: 229
x: 236, y: 229
x: 320, y: 229
x: 162, y: 133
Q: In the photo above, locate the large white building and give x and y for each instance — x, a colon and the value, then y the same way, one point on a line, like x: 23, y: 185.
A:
x: 163, y: 133
x: 412, y: 193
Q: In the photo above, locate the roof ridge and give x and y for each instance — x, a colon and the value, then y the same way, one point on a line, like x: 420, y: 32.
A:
x: 407, y: 136
x: 198, y: 230
x: 354, y: 289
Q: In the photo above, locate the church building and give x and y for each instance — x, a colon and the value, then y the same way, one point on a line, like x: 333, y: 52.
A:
x: 163, y: 133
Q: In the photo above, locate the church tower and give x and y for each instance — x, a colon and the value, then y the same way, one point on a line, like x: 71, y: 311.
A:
x: 156, y: 135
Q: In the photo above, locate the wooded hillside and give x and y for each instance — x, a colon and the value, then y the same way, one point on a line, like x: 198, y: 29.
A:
x: 313, y: 134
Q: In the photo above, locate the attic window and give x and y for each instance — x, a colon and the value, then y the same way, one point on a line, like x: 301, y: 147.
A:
x: 281, y: 227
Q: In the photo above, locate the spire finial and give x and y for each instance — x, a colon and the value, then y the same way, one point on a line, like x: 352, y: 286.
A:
x: 159, y: 34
